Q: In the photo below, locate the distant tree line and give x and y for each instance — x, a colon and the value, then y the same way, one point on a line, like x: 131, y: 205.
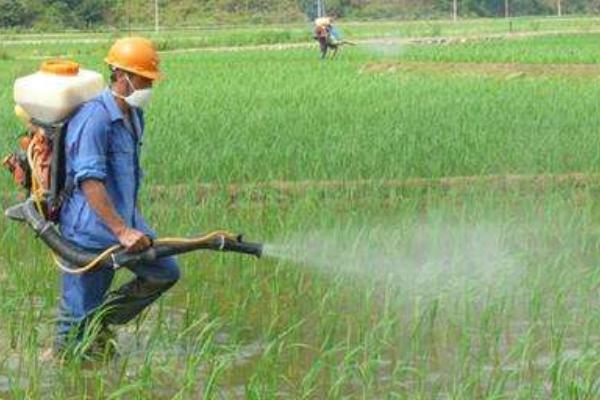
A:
x: 55, y: 14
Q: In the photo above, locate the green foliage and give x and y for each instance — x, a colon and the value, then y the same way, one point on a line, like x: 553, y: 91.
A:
x: 14, y: 13
x: 57, y: 14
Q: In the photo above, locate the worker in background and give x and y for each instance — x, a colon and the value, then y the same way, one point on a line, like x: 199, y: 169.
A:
x: 103, y: 145
x: 324, y: 35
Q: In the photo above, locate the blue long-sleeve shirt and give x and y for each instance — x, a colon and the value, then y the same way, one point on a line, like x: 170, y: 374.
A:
x: 98, y: 145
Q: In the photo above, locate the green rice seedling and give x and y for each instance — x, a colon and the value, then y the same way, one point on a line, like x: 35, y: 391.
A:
x: 385, y: 276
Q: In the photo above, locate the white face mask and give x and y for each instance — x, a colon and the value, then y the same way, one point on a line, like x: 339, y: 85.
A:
x: 138, y: 98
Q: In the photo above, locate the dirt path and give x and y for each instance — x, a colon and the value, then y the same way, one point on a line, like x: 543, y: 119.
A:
x: 507, y: 70
x: 378, y: 41
x: 286, y: 189
x: 391, y: 41
x: 291, y: 189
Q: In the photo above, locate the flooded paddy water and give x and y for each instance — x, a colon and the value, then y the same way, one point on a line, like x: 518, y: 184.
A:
x: 386, y: 302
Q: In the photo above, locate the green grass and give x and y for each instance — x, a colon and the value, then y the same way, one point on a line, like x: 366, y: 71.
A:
x: 462, y: 125
x: 555, y: 49
x: 379, y: 126
x: 479, y: 292
x: 225, y: 122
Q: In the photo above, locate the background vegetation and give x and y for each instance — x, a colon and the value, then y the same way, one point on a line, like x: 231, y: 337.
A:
x: 61, y: 14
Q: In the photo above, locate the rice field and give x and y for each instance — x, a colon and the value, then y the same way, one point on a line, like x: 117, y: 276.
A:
x: 386, y: 276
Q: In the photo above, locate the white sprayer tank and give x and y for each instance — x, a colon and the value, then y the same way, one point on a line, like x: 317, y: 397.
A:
x: 56, y: 90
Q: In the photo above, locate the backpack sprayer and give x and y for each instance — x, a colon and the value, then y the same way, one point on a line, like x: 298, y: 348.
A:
x: 45, y: 101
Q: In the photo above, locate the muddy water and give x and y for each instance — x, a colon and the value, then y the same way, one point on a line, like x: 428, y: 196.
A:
x: 135, y: 349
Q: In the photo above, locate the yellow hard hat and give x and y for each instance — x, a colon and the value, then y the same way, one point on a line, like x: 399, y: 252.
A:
x: 323, y: 21
x: 136, y: 55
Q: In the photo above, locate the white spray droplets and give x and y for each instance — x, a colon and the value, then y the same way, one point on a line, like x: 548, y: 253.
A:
x: 439, y: 258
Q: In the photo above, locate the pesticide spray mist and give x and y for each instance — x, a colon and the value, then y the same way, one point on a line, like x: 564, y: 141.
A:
x: 426, y: 259
x: 392, y: 46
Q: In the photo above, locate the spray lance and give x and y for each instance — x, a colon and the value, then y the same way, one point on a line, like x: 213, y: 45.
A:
x: 116, y: 256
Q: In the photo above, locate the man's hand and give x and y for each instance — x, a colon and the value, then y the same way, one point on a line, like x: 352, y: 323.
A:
x: 133, y: 240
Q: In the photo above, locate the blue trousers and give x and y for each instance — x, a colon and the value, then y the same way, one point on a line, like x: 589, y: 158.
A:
x: 83, y: 296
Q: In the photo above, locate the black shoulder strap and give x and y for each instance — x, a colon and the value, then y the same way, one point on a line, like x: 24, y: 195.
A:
x: 60, y: 188
x: 62, y: 185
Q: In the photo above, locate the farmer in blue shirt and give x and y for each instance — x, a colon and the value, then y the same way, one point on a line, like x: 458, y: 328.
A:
x: 103, y: 144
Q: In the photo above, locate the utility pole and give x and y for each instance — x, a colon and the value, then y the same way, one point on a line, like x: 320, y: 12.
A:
x: 455, y: 10
x: 156, y: 20
x: 129, y: 18
x: 559, y: 8
x: 320, y: 8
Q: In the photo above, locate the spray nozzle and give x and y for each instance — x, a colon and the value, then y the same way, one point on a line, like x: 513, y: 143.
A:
x: 238, y: 245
